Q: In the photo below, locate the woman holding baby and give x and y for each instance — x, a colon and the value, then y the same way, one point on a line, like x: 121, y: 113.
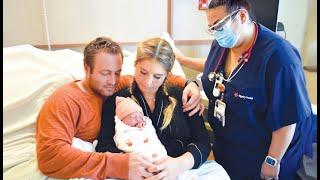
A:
x: 184, y: 137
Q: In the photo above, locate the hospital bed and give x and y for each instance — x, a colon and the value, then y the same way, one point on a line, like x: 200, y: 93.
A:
x: 31, y: 75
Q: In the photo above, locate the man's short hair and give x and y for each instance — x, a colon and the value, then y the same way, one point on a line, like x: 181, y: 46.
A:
x: 100, y: 44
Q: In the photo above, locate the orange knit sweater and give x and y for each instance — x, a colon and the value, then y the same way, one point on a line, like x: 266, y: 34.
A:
x: 69, y: 113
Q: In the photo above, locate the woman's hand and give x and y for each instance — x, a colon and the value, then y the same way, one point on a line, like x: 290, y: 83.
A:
x: 166, y: 168
x: 170, y: 168
x: 270, y: 172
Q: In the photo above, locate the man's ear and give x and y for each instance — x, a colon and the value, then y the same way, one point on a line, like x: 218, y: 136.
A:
x: 87, y: 68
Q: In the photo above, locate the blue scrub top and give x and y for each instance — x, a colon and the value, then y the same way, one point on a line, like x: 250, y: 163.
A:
x: 268, y: 93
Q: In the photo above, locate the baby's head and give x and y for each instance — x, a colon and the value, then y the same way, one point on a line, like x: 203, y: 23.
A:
x: 129, y: 112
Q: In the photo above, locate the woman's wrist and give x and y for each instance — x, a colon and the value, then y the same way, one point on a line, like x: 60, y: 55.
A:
x: 280, y: 141
x: 185, y: 161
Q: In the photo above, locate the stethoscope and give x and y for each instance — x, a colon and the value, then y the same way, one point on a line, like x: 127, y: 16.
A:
x: 215, y: 75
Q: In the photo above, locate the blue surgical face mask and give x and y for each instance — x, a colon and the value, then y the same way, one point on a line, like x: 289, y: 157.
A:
x: 226, y: 37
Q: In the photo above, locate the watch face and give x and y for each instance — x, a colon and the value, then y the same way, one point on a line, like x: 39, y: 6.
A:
x: 270, y: 161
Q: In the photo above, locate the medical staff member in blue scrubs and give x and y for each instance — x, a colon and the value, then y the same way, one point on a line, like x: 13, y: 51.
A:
x: 258, y: 104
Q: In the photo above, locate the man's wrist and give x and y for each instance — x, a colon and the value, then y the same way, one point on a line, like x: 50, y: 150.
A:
x: 190, y: 81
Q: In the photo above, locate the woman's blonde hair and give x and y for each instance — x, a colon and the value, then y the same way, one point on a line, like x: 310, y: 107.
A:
x: 159, y: 50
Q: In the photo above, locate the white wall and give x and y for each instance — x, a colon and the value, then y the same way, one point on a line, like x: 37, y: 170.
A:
x: 293, y: 14
x: 189, y: 22
x: 300, y: 22
x: 309, y: 49
x: 23, y: 22
x: 309, y: 45
x: 80, y: 21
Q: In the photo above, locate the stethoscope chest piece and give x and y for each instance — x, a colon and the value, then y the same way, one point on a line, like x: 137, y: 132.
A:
x: 212, y: 76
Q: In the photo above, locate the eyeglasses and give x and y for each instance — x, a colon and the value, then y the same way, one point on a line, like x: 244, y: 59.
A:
x: 219, y: 25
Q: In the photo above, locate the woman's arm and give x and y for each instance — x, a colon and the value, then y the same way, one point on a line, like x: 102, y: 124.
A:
x: 280, y: 141
x: 107, y: 130
x: 199, y: 144
x: 192, y: 63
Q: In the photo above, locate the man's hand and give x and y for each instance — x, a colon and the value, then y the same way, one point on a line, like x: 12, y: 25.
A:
x: 138, y: 166
x: 270, y: 172
x: 194, y: 103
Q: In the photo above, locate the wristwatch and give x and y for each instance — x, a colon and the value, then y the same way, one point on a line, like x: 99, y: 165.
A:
x: 271, y: 161
x: 189, y: 81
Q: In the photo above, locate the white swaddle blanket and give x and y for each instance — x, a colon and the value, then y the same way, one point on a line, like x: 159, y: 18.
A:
x: 141, y: 140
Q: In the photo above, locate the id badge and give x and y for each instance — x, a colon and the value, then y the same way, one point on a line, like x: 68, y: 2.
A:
x: 216, y: 88
x: 219, y: 111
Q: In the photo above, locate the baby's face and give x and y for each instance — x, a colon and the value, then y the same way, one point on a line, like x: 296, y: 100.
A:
x: 134, y: 119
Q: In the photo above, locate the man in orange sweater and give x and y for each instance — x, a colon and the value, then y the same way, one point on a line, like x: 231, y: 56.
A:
x: 74, y: 111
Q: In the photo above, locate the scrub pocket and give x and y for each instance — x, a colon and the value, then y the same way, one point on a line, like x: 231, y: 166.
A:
x: 241, y: 100
x: 244, y: 103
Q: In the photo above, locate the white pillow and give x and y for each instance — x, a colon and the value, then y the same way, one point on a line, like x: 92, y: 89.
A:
x: 128, y: 62
x: 177, y: 69
x: 167, y: 37
x: 126, y: 53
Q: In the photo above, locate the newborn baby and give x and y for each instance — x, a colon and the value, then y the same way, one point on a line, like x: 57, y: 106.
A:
x: 134, y: 132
